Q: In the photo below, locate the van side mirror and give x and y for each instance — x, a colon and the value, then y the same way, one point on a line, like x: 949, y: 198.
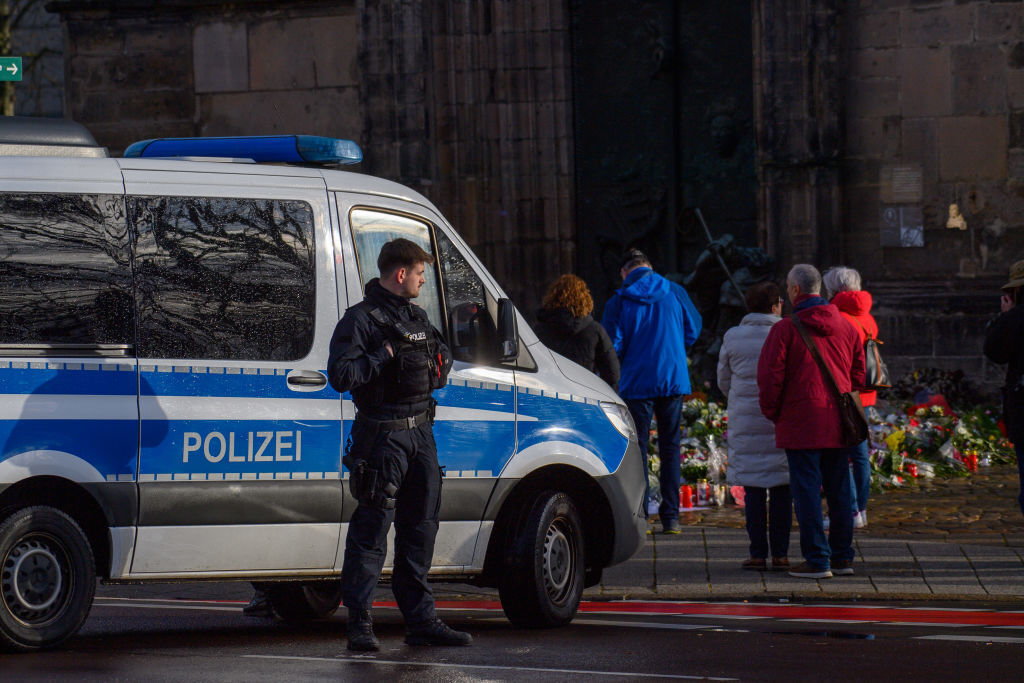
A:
x: 508, y: 331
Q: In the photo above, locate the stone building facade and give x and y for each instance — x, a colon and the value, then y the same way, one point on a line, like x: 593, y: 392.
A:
x: 552, y: 133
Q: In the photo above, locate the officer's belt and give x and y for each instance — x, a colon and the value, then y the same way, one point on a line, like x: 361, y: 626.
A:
x: 396, y: 425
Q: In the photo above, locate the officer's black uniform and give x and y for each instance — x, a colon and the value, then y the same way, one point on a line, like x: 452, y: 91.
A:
x: 391, y: 455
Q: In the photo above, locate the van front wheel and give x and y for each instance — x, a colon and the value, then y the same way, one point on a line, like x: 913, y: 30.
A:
x: 543, y: 582
x: 47, y: 578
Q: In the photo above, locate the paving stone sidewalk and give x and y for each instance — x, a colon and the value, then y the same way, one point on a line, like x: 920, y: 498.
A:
x: 704, y: 563
x: 946, y: 539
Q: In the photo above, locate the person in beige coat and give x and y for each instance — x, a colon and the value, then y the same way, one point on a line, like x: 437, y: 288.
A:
x: 754, y: 461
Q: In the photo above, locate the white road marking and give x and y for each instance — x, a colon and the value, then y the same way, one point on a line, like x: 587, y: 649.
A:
x: 201, y: 608
x: 830, y: 621
x: 740, y: 617
x: 488, y: 667
x: 931, y: 624
x: 974, y: 639
x: 638, y: 624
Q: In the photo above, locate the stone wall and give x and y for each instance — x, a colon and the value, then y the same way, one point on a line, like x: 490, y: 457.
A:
x: 934, y: 115
x: 37, y: 40
x: 188, y: 67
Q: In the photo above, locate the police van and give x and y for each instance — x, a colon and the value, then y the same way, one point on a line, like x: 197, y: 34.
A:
x: 165, y: 413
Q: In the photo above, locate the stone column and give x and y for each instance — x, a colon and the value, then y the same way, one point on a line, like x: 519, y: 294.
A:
x: 469, y: 102
x: 797, y: 103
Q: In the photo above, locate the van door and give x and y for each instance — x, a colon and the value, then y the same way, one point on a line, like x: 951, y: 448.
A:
x: 475, y: 427
x: 68, y: 383
x: 239, y: 467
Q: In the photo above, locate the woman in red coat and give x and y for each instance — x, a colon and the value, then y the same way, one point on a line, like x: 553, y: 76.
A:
x: 843, y: 285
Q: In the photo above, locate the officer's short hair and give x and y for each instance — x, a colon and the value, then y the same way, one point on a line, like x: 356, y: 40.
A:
x: 807, y: 276
x: 401, y: 253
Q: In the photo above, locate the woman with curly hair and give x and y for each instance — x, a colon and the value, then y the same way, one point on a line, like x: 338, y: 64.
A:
x: 566, y: 327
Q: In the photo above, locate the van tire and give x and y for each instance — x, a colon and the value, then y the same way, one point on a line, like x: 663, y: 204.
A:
x: 47, y: 578
x: 304, y: 601
x: 543, y: 580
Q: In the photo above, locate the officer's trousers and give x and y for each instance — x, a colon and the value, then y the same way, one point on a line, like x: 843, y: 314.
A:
x: 408, y: 459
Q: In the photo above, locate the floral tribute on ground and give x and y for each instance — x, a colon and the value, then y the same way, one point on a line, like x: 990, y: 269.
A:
x: 914, y: 434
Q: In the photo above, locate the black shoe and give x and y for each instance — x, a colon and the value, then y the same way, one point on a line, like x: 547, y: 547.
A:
x: 360, y: 631
x: 259, y: 606
x: 436, y: 632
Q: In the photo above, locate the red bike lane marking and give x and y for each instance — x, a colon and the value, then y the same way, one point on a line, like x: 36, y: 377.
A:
x: 864, y: 613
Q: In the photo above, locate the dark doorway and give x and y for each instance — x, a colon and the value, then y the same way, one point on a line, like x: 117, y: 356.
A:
x: 663, y: 98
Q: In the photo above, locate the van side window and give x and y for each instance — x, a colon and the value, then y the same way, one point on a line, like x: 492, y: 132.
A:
x: 372, y: 229
x: 471, y: 310
x: 66, y: 273
x: 224, y: 278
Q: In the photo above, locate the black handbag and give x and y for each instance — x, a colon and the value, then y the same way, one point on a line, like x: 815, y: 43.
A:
x: 853, y: 425
x: 876, y: 375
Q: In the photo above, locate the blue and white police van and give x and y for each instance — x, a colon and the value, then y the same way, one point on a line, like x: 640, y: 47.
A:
x: 165, y: 414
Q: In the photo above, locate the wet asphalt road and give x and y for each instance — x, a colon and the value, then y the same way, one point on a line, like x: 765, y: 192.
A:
x: 131, y: 636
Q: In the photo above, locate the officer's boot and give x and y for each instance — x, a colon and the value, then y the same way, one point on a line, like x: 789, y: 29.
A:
x: 436, y: 632
x: 259, y: 606
x: 360, y: 631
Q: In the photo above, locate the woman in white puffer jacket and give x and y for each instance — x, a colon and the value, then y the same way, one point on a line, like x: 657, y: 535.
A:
x: 754, y: 461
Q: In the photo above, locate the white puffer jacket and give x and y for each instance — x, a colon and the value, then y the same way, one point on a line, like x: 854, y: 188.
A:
x: 753, y: 458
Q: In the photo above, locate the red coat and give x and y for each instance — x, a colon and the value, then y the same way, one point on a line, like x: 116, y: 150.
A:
x: 856, y: 307
x: 791, y: 389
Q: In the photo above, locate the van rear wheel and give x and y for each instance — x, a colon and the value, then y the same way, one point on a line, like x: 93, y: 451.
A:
x: 304, y: 601
x: 47, y: 578
x: 542, y: 585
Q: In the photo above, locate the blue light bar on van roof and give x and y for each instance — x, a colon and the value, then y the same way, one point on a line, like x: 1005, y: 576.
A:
x: 295, y: 149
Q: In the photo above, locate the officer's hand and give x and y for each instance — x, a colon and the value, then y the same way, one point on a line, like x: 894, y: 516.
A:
x: 391, y: 351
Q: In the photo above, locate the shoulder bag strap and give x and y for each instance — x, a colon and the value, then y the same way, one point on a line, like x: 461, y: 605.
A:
x: 865, y: 330
x: 816, y: 354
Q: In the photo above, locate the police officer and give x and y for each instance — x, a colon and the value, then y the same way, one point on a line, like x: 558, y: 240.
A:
x: 386, y: 352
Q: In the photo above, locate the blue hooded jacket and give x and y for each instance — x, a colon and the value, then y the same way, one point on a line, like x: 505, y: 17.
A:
x: 651, y: 321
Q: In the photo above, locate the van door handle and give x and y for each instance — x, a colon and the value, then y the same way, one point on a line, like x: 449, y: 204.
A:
x: 306, y: 380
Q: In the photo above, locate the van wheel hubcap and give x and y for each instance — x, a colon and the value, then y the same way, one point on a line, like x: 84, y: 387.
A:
x: 559, y: 562
x: 32, y: 579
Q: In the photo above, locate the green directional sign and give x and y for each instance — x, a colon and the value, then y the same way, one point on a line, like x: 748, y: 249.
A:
x: 10, y: 68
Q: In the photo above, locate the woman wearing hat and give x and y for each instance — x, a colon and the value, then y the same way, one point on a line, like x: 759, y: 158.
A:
x: 1004, y: 343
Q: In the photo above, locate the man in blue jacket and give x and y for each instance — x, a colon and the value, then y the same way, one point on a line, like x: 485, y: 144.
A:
x: 651, y: 321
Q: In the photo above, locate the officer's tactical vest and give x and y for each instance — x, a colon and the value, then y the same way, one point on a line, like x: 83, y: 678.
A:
x: 417, y: 368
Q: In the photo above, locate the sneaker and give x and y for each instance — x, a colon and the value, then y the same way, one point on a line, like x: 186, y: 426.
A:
x: 806, y: 571
x: 842, y: 567
x: 259, y: 606
x: 360, y: 631
x: 671, y: 527
x: 780, y: 564
x: 863, y: 518
x: 755, y: 563
x: 859, y: 521
x: 436, y: 632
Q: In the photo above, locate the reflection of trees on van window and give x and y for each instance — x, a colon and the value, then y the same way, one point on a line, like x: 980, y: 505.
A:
x: 66, y: 274
x: 224, y: 278
x: 468, y: 305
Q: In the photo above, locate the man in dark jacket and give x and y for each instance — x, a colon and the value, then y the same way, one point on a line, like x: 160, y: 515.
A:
x: 795, y: 395
x: 1004, y: 343
x: 386, y: 352
x: 651, y: 322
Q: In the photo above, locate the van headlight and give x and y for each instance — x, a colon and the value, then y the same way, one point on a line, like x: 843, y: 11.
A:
x: 620, y: 418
